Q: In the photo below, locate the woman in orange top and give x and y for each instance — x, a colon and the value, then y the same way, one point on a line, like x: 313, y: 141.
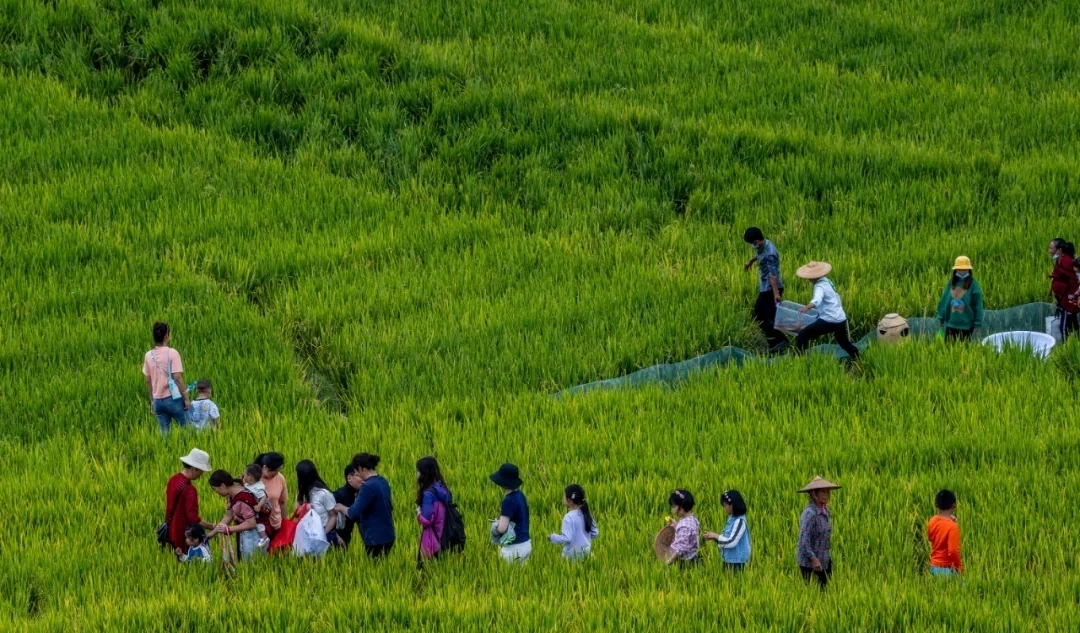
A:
x: 944, y: 535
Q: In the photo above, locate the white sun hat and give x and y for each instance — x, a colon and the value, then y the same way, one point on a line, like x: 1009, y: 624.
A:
x: 197, y: 459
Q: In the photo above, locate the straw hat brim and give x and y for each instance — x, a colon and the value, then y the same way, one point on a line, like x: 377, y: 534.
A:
x: 814, y: 270
x: 819, y: 484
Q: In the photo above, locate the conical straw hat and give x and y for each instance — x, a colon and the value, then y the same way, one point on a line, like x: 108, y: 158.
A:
x: 817, y: 483
x: 814, y: 270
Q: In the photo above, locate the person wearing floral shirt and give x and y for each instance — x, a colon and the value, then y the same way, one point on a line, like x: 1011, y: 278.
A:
x: 815, y: 533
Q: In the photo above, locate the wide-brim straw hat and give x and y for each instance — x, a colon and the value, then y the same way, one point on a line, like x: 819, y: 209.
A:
x: 507, y: 477
x: 197, y: 459
x: 814, y: 270
x: 662, y: 543
x: 962, y: 263
x: 817, y: 483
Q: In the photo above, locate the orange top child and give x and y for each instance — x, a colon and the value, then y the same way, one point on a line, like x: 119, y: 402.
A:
x: 944, y: 535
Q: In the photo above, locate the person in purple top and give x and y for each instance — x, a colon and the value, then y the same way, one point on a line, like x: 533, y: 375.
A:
x: 432, y: 499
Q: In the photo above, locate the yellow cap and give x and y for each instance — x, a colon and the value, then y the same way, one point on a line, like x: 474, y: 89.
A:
x: 962, y: 263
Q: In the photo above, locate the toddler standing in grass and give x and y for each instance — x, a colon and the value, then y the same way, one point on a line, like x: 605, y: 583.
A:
x: 204, y: 413
x: 198, y: 550
x: 944, y: 535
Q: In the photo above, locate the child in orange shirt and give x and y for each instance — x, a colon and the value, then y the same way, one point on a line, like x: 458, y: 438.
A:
x: 944, y: 535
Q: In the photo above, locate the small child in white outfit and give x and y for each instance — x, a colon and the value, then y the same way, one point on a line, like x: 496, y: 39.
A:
x: 253, y: 484
x: 203, y: 412
x: 198, y: 550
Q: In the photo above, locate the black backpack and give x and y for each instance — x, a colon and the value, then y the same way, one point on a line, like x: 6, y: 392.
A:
x: 453, y: 535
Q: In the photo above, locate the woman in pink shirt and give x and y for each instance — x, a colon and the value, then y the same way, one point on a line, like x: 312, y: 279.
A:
x: 277, y: 491
x: 160, y: 366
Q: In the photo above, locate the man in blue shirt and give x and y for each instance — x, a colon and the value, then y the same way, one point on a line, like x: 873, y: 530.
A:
x: 372, y: 509
x: 770, y: 286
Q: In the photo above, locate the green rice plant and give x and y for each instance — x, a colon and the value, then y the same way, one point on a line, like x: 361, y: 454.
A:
x: 400, y: 227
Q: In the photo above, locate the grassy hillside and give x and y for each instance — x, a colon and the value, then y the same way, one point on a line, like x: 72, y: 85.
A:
x: 398, y: 227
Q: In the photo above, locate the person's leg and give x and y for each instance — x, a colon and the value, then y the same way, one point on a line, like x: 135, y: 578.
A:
x: 1072, y: 325
x: 765, y: 314
x: 815, y: 330
x: 952, y: 334
x: 734, y: 567
x: 164, y: 418
x: 840, y: 332
x: 807, y: 573
x: 824, y: 576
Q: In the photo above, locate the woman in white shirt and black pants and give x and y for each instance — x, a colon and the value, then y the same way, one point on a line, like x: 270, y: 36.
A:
x: 831, y: 317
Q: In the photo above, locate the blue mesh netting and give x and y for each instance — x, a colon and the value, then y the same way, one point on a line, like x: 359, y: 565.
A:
x: 1026, y: 318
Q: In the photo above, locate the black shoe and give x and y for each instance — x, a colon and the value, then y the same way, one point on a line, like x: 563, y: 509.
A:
x: 779, y: 347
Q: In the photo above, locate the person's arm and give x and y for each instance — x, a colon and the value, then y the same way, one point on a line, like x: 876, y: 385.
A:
x: 215, y: 416
x: 150, y: 392
x: 505, y: 510
x: 190, y: 498
x: 331, y: 513
x: 977, y: 308
x: 943, y: 306
x: 364, y: 498
x: 566, y: 537
x: 815, y: 299
x: 427, y: 507
x: 737, y: 530
x: 952, y: 543
x: 771, y: 263
x: 807, y: 532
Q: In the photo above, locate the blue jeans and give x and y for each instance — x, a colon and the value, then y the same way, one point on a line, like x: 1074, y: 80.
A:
x: 167, y: 410
x: 942, y: 571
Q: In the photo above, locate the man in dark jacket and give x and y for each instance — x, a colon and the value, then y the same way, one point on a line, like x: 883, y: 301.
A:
x: 346, y: 496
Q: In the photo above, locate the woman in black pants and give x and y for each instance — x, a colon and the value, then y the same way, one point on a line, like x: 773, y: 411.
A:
x: 831, y: 317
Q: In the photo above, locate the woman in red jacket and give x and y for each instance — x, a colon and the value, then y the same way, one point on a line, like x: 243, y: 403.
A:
x: 1063, y: 283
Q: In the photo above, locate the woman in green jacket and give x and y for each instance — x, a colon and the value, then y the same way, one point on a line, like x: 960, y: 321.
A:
x: 960, y: 310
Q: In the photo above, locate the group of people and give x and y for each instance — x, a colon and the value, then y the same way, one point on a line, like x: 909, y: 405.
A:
x: 813, y: 553
x: 959, y: 311
x: 256, y: 503
x: 255, y: 506
x: 170, y: 397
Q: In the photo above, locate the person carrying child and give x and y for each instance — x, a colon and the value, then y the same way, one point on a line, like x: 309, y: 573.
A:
x: 831, y: 316
x: 198, y: 549
x: 578, y: 526
x: 734, y: 541
x: 203, y: 412
x: 254, y: 485
x: 684, y: 548
x: 944, y: 535
x: 240, y: 518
